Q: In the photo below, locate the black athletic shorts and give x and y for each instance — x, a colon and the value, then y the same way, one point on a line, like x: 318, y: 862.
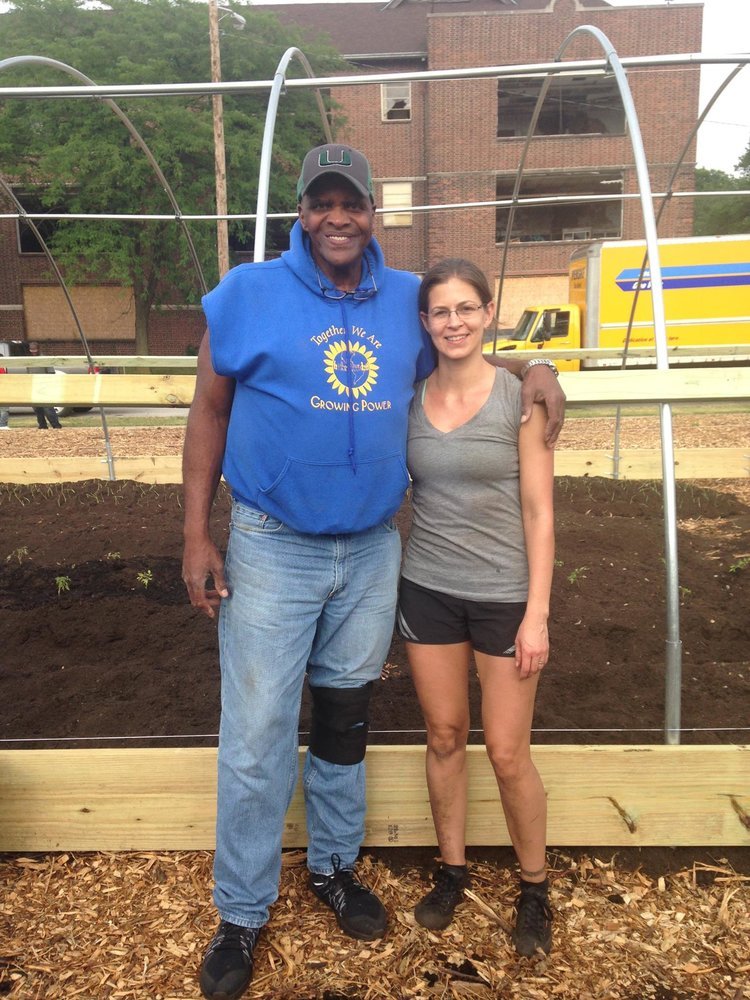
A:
x: 431, y: 618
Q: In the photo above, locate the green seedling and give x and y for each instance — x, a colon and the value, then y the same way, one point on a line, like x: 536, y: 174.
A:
x: 62, y: 583
x: 113, y: 556
x: 18, y: 555
x: 578, y: 573
x: 740, y: 564
x: 145, y: 577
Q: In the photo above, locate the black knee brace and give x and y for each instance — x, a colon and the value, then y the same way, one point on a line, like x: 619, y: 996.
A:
x: 340, y: 723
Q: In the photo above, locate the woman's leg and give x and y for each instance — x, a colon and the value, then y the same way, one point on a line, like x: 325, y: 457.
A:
x: 507, y: 712
x: 440, y: 675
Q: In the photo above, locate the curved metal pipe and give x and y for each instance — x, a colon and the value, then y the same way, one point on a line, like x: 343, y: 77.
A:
x: 665, y: 201
x: 673, y: 681
x: 670, y: 190
x: 264, y: 171
x: 673, y: 643
x: 516, y: 189
x: 71, y: 71
x: 52, y: 263
x: 58, y: 274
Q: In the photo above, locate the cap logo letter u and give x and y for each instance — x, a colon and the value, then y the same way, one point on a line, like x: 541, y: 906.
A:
x: 343, y: 160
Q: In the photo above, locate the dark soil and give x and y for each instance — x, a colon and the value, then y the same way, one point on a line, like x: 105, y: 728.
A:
x: 120, y: 657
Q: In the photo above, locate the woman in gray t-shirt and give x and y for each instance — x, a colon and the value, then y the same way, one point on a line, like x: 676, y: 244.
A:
x: 476, y: 579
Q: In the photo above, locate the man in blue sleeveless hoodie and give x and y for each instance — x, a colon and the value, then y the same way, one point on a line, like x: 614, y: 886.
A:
x: 305, y: 375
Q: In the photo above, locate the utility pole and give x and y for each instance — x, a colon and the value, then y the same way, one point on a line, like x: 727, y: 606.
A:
x: 220, y: 162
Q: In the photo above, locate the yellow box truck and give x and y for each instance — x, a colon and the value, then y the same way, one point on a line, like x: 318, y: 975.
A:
x: 706, y: 289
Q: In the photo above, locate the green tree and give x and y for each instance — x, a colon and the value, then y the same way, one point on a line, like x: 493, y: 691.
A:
x: 724, y: 214
x: 76, y: 156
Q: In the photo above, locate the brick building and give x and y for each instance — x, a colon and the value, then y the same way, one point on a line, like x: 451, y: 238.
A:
x: 447, y: 142
x: 33, y: 306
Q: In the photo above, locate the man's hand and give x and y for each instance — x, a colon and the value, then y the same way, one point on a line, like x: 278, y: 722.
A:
x: 201, y: 561
x: 540, y: 385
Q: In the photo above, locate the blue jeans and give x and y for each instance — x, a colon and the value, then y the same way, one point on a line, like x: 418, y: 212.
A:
x: 317, y: 604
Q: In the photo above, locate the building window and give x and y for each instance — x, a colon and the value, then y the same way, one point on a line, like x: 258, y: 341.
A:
x: 395, y: 102
x: 397, y: 194
x: 574, y: 105
x: 27, y: 238
x: 580, y: 220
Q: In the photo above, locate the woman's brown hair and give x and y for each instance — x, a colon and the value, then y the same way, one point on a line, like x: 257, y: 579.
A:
x: 454, y: 267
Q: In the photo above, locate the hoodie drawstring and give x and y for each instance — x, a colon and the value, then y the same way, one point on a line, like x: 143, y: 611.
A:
x: 351, y: 451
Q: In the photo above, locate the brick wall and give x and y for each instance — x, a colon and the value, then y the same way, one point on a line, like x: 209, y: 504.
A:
x: 172, y: 330
x: 453, y: 128
x: 463, y: 154
x: 396, y: 150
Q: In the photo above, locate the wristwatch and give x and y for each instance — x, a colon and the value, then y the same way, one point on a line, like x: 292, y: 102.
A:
x: 539, y: 361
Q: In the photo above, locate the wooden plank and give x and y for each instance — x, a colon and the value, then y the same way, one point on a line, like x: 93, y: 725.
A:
x: 182, y: 361
x: 676, y: 353
x: 674, y: 386
x: 144, y: 469
x: 690, y: 463
x: 646, y: 463
x: 164, y: 799
x: 97, y: 390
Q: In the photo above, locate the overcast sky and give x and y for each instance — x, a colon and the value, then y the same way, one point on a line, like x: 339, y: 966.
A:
x: 725, y: 135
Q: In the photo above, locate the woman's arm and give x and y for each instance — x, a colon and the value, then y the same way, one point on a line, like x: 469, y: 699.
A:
x: 536, y: 482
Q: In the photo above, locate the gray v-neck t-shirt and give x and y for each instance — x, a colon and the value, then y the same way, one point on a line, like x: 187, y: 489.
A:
x: 467, y: 535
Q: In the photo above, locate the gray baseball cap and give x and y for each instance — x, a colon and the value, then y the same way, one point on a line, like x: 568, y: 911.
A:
x: 340, y: 160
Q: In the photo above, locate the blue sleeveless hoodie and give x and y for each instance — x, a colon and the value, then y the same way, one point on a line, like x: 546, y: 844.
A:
x: 317, y: 431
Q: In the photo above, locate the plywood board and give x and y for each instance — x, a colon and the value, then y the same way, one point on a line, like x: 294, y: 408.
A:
x: 163, y: 799
x: 105, y: 312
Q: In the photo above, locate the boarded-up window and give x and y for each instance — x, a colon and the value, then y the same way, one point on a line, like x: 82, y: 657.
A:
x: 104, y: 312
x: 397, y: 194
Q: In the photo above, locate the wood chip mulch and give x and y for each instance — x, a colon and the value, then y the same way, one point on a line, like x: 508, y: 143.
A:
x: 134, y: 927
x: 690, y: 430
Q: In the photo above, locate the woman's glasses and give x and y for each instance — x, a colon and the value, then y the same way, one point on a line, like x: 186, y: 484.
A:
x: 466, y: 311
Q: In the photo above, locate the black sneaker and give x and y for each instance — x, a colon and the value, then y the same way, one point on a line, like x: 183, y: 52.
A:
x: 359, y: 912
x: 533, y: 928
x: 436, y: 909
x: 228, y: 963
